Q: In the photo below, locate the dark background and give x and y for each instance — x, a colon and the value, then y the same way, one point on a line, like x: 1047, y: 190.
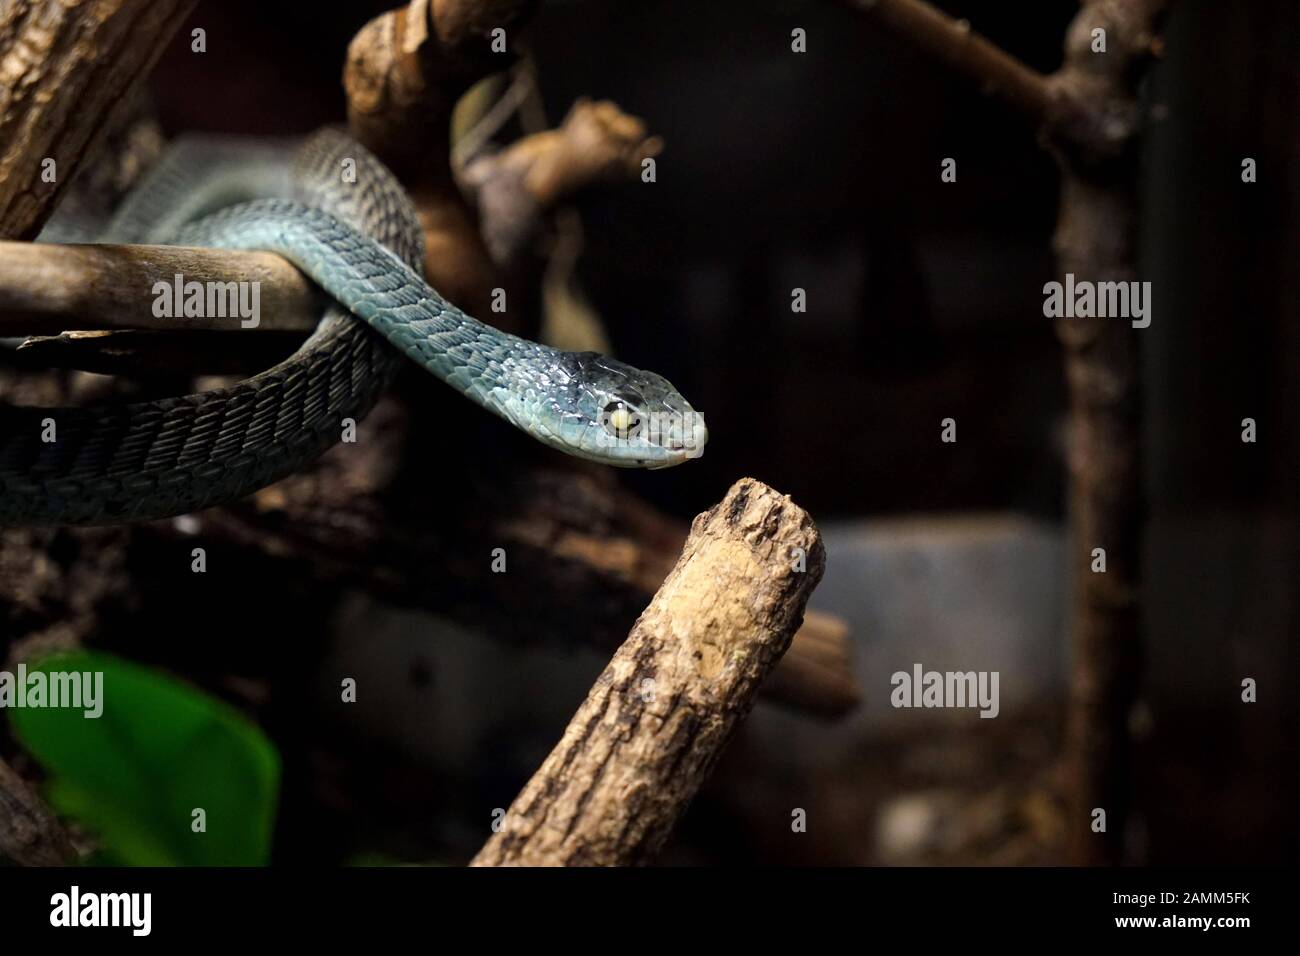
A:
x: 821, y: 171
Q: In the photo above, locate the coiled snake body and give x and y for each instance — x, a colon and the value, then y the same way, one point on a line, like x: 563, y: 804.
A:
x: 358, y: 238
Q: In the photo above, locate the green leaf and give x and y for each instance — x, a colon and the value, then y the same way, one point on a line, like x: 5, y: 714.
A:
x: 159, y: 750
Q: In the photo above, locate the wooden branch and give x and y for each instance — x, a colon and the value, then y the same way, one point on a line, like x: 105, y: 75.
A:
x: 1067, y: 105
x: 816, y: 675
x: 1092, y: 119
x: 146, y: 354
x: 66, y: 68
x: 596, y: 142
x: 955, y: 43
x: 46, y: 288
x: 1096, y: 240
x: 405, y: 71
x: 656, y: 720
x: 518, y: 187
x: 407, y: 68
x: 30, y: 834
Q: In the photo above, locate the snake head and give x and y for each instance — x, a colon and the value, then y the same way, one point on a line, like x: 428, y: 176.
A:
x: 623, y: 416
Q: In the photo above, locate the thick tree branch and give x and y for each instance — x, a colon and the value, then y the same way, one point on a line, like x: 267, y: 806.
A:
x: 656, y: 720
x: 46, y: 288
x: 66, y: 69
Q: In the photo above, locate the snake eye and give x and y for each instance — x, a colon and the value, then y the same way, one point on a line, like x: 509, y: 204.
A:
x: 621, y: 420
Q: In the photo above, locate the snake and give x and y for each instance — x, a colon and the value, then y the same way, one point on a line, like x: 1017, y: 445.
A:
x: 333, y: 210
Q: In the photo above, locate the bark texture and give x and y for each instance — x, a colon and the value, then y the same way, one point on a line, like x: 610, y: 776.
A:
x: 1096, y: 240
x: 658, y: 717
x: 405, y: 71
x: 46, y: 288
x: 30, y: 834
x: 66, y: 68
x: 518, y: 188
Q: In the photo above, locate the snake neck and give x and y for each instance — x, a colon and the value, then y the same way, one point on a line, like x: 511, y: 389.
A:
x: 505, y: 374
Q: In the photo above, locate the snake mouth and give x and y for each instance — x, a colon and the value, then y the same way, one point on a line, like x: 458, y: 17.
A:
x: 666, y: 463
x: 652, y: 450
x: 680, y: 452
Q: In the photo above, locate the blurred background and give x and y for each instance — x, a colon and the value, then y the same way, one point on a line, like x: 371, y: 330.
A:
x: 820, y: 171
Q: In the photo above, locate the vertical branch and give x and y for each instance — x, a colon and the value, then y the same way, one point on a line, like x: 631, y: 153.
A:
x: 1089, y: 113
x: 1096, y: 240
x: 30, y: 834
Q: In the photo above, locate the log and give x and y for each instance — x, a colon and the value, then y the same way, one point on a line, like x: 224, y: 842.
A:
x: 659, y: 716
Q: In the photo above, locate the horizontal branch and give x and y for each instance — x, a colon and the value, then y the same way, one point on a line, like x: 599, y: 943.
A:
x: 1097, y: 236
x: 46, y: 288
x: 659, y: 716
x: 816, y: 676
